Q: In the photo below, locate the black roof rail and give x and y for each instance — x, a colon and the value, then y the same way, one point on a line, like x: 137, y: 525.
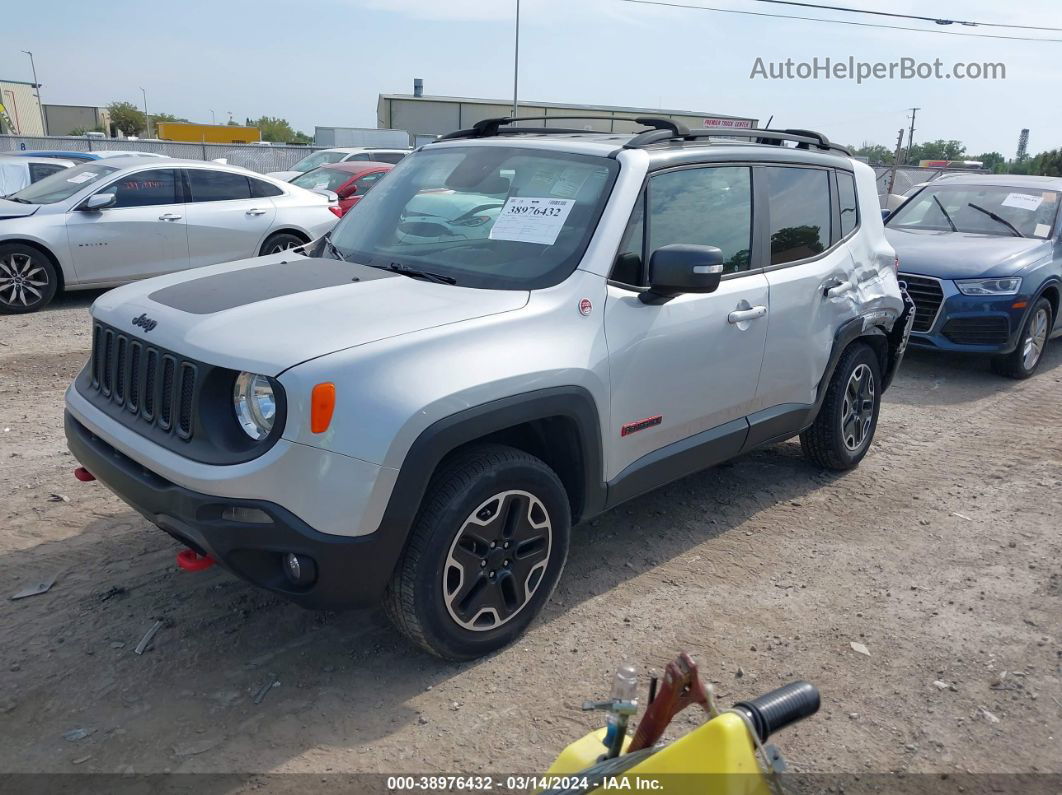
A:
x: 805, y: 139
x: 491, y: 127
x: 677, y: 128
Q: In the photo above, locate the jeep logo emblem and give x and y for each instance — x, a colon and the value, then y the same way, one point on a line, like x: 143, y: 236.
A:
x: 145, y: 322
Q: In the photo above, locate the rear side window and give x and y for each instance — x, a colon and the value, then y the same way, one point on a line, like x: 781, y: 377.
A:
x: 38, y: 171
x: 217, y: 186
x: 800, y: 212
x: 260, y: 189
x: 146, y: 188
x: 387, y: 157
x: 707, y: 207
x: 846, y: 198
x: 368, y: 181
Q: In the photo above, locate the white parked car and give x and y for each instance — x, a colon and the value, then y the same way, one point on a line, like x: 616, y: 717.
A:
x: 341, y: 155
x: 18, y: 172
x: 110, y: 222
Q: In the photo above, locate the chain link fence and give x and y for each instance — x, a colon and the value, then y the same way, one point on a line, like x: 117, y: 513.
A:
x: 909, y: 176
x: 258, y: 158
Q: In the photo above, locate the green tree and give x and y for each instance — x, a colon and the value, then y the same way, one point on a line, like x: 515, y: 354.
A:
x: 993, y: 161
x: 157, y: 117
x: 876, y: 154
x: 127, y: 117
x: 1050, y: 163
x: 936, y: 150
x: 277, y: 130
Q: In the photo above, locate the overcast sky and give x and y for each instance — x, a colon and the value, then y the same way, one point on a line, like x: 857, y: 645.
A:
x: 323, y: 62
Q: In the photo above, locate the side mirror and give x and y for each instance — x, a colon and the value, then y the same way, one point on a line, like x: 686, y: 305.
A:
x: 885, y: 215
x: 681, y: 268
x: 99, y: 201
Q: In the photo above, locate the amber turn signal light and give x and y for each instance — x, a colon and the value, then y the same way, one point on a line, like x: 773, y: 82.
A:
x: 322, y: 404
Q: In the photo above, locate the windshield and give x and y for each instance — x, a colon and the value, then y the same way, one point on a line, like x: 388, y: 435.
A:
x: 321, y: 179
x: 970, y: 208
x: 63, y: 184
x: 486, y: 216
x: 318, y: 159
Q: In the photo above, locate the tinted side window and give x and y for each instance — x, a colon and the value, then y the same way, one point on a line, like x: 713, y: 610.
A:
x: 800, y: 212
x: 38, y: 171
x: 846, y: 197
x: 704, y: 206
x: 362, y: 156
x: 217, y: 186
x: 628, y: 265
x: 146, y: 188
x: 261, y: 189
x: 387, y: 157
x: 368, y: 181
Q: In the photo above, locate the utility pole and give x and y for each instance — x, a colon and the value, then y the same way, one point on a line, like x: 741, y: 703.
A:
x: 516, y: 59
x: 37, y: 88
x: 910, y: 136
x: 147, y: 118
x: 895, y: 160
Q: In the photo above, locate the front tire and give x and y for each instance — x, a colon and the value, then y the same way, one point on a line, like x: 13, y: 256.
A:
x: 844, y: 428
x: 281, y: 241
x: 28, y: 279
x: 1022, y: 362
x: 484, y: 554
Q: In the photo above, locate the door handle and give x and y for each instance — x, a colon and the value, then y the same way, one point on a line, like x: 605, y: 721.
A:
x: 741, y: 315
x: 170, y: 217
x: 256, y: 211
x: 834, y: 288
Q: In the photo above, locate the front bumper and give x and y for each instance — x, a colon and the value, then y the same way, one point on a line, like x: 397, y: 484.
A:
x: 973, y: 324
x: 352, y: 571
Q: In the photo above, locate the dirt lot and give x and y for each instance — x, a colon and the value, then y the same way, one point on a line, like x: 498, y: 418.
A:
x: 941, y: 554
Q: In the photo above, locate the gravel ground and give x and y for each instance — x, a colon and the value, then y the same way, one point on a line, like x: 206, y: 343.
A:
x: 940, y: 554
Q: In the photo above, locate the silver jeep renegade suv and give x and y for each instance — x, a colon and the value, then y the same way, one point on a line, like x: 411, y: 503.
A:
x: 519, y: 328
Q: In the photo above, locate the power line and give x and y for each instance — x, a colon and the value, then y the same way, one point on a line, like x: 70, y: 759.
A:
x: 835, y: 21
x: 934, y: 20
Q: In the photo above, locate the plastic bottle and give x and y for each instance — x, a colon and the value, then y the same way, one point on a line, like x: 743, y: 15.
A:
x: 624, y: 688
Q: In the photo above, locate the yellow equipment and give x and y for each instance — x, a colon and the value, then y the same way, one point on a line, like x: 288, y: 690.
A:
x: 719, y: 757
x: 206, y: 133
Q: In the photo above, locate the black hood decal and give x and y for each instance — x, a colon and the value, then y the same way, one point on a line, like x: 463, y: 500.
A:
x: 222, y: 291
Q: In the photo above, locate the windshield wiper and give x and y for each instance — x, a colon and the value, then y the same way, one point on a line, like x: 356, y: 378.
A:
x: 405, y: 270
x: 17, y: 199
x: 332, y: 246
x: 947, y: 217
x: 995, y: 217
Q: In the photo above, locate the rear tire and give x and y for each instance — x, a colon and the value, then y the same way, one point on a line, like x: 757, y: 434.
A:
x: 281, y: 241
x: 28, y: 279
x: 1022, y: 362
x: 484, y: 554
x: 844, y: 428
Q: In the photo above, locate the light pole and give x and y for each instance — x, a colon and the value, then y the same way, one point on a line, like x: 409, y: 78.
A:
x: 147, y: 118
x: 516, y: 59
x: 37, y: 88
x: 213, y: 118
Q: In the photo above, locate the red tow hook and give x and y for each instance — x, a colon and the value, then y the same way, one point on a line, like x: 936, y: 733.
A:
x: 190, y: 560
x: 84, y: 475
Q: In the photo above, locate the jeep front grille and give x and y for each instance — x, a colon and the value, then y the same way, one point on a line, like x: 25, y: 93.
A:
x: 156, y: 386
x: 927, y: 295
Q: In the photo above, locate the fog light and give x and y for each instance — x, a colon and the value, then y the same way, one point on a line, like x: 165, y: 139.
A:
x: 299, y: 569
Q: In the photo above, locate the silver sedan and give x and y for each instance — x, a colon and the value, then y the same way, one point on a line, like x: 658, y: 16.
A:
x: 110, y: 222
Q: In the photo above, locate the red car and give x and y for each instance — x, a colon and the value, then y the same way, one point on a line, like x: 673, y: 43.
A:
x: 350, y: 180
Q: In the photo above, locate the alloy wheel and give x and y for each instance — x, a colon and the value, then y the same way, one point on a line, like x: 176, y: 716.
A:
x: 1033, y: 345
x: 22, y: 281
x: 497, y: 560
x: 857, y: 411
x: 284, y: 245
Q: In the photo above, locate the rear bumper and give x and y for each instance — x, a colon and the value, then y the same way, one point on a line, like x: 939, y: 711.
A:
x: 352, y: 571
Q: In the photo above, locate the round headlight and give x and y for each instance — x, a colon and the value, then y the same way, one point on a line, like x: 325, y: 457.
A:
x: 255, y: 404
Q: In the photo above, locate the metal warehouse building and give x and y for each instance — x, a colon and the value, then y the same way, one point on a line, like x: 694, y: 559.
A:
x: 426, y: 117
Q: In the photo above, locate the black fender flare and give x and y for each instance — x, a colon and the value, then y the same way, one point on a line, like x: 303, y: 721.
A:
x: 449, y: 433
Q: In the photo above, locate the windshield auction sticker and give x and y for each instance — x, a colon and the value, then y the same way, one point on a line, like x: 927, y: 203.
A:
x: 529, y: 220
x: 1023, y: 200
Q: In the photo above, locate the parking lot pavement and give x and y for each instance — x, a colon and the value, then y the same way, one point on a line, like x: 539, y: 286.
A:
x: 940, y: 554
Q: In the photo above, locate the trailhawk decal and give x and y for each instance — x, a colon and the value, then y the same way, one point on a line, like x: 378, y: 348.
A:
x: 641, y: 425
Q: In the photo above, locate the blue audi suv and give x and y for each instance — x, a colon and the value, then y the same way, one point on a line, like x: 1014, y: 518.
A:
x: 982, y: 260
